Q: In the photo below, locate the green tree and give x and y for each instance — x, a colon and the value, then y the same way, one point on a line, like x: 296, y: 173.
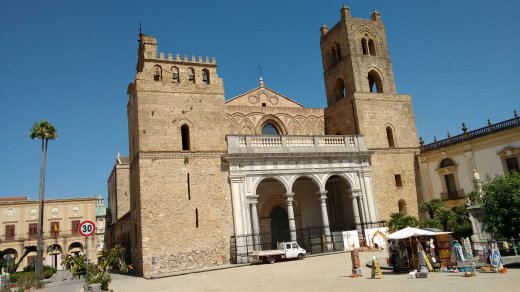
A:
x: 44, y: 131
x: 431, y: 207
x: 501, y: 205
x: 430, y: 223
x: 447, y: 218
x: 400, y: 220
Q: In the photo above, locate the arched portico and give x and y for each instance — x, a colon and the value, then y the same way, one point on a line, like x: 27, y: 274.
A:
x: 53, y: 256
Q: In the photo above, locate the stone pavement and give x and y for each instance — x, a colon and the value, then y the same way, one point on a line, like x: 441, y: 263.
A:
x: 319, y: 273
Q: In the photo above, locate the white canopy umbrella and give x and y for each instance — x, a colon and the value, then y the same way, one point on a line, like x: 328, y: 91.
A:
x: 409, y: 232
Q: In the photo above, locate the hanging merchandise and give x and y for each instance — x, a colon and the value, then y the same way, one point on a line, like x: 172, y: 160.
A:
x: 457, y: 255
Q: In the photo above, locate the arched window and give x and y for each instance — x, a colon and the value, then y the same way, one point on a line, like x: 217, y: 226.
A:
x: 447, y: 162
x: 371, y: 47
x: 157, y: 73
x: 448, y: 170
x: 338, y: 53
x: 269, y: 129
x: 402, y: 206
x: 191, y: 75
x: 364, y: 46
x: 390, y: 137
x: 185, y: 134
x: 340, y: 89
x: 374, y: 82
x: 175, y: 76
x: 205, y: 76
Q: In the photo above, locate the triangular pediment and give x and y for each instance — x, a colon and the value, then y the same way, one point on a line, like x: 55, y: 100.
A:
x: 263, y: 96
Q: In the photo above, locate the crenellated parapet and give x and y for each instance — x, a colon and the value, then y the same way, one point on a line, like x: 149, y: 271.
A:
x: 166, y: 71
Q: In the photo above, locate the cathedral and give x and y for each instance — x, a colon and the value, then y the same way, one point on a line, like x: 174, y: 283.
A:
x: 209, y: 180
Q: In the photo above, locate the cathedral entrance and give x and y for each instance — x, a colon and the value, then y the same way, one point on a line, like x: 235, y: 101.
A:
x: 339, y: 204
x: 279, y: 226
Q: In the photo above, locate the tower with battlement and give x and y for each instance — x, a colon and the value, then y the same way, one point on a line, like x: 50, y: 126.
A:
x: 362, y: 100
x: 180, y: 198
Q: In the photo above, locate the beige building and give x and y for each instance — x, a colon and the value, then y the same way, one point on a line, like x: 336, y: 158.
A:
x: 19, y: 231
x: 450, y: 167
x: 209, y: 180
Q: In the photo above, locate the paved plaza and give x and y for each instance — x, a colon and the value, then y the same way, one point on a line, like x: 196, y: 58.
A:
x: 319, y: 273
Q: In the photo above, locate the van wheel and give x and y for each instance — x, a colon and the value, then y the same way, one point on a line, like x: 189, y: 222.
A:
x: 271, y: 260
x: 300, y: 256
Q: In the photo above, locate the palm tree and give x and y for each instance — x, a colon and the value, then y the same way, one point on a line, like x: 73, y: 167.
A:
x: 44, y: 131
x: 431, y: 207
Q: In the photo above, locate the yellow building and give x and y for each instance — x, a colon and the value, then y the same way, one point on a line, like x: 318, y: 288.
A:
x: 19, y: 230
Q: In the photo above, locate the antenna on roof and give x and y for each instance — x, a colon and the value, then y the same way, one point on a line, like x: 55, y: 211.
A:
x: 140, y: 32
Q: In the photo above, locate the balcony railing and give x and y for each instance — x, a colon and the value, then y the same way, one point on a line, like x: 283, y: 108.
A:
x: 34, y: 237
x: 454, y: 195
x: 508, y: 124
x: 293, y: 144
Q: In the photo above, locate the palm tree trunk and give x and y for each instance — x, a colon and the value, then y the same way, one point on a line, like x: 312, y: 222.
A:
x: 40, y: 245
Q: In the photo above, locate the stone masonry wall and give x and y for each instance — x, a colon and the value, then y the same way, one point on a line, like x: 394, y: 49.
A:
x: 169, y: 220
x: 385, y: 165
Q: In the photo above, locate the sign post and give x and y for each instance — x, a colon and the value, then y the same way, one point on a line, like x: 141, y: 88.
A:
x: 86, y: 229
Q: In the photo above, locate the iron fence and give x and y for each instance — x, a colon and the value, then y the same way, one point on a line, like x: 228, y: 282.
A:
x: 312, y: 239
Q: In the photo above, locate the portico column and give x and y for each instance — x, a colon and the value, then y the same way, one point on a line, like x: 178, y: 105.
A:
x: 290, y: 213
x: 362, y: 213
x: 254, y: 214
x: 324, y: 214
x: 356, y: 211
x: 325, y: 219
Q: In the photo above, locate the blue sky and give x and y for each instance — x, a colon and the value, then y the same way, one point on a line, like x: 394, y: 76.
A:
x: 70, y: 62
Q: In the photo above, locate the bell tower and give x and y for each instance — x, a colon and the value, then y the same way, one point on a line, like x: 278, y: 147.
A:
x: 362, y: 100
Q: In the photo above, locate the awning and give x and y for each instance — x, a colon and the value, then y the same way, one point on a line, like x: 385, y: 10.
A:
x: 410, y: 231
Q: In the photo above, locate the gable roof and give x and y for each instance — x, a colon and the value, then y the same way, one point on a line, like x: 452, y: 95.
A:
x: 255, y: 97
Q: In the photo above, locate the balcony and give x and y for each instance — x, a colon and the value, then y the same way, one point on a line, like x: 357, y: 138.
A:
x: 248, y: 144
x: 454, y: 195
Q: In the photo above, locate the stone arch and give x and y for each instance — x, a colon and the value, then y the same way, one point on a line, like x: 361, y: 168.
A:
x: 10, y: 251
x: 375, y: 81
x: 280, y: 179
x: 278, y: 200
x: 367, y: 34
x: 205, y: 76
x: 75, y: 247
x: 349, y: 180
x: 181, y: 123
x: 175, y: 75
x: 314, y: 178
x: 403, y: 208
x: 157, y: 73
x: 340, y: 89
x: 390, y: 135
x: 274, y: 120
x: 53, y: 255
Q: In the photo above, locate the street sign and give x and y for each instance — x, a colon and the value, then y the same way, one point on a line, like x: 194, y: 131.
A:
x: 87, y: 228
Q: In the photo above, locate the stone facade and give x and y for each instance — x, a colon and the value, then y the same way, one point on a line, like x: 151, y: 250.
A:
x: 177, y: 183
x: 119, y: 189
x: 210, y: 180
x: 362, y: 100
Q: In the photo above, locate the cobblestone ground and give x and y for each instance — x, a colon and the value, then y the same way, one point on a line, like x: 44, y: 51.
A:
x: 320, y: 273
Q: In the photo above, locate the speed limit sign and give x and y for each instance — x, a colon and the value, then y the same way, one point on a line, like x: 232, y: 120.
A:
x: 87, y: 228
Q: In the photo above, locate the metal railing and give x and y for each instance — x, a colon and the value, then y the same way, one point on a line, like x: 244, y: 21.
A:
x: 454, y: 195
x: 312, y: 239
x: 508, y: 124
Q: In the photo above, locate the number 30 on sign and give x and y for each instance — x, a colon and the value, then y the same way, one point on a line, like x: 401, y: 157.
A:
x: 87, y: 228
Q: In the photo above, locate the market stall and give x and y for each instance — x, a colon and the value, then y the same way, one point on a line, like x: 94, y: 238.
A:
x: 409, y: 246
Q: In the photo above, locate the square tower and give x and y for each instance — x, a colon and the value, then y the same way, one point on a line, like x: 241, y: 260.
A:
x: 180, y: 198
x: 362, y: 100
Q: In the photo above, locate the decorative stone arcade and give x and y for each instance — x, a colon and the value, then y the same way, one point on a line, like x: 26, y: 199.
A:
x: 315, y: 180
